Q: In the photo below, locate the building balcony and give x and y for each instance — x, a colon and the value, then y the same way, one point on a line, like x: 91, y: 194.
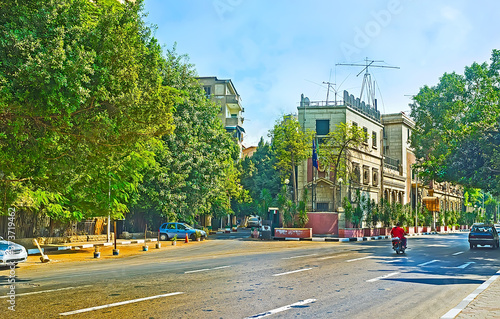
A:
x: 234, y: 121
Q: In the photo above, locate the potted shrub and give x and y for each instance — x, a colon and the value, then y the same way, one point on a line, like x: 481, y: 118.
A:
x: 197, y: 235
x: 174, y: 240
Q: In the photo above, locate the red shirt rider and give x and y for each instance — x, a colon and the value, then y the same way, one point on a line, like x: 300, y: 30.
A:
x: 399, y: 232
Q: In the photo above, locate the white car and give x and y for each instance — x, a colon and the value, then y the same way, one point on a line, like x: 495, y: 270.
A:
x: 11, y: 253
x: 254, y: 221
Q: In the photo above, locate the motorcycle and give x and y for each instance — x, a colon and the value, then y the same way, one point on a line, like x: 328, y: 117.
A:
x: 397, y: 245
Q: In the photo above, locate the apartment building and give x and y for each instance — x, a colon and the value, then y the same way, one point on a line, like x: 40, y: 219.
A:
x: 224, y: 94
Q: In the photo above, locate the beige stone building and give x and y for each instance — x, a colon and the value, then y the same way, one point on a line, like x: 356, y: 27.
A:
x: 384, y: 169
x: 323, y: 117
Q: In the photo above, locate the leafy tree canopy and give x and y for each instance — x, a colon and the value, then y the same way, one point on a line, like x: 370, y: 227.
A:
x: 81, y: 104
x: 291, y: 144
x: 457, y: 135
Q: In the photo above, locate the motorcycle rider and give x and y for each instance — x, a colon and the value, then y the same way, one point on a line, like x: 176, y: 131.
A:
x: 399, y: 232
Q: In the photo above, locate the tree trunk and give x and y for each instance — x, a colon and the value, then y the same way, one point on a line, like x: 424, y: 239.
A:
x: 294, y: 181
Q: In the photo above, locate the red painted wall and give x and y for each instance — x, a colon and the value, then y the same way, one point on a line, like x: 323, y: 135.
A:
x: 323, y: 223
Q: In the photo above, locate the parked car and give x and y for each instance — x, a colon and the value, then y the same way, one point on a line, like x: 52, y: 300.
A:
x: 11, y: 253
x: 483, y: 234
x: 169, y: 230
x: 497, y: 227
x: 254, y: 221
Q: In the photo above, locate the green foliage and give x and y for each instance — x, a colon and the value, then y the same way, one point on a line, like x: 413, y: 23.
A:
x: 356, y: 213
x: 81, y: 105
x: 386, y: 215
x: 196, y: 171
x: 336, y: 151
x: 457, y: 136
x: 261, y: 179
x: 291, y: 145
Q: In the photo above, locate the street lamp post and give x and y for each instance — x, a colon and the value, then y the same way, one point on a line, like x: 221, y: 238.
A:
x: 340, y: 185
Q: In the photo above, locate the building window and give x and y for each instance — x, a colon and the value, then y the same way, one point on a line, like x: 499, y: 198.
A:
x: 375, y: 177
x: 374, y: 139
x: 322, y: 207
x: 366, y: 134
x: 357, y: 173
x: 366, y: 175
x: 354, y: 124
x: 208, y: 91
x: 322, y: 127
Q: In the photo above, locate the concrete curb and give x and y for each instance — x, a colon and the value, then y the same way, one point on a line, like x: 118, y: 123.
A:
x: 83, y: 246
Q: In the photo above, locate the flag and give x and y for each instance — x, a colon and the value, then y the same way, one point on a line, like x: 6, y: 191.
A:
x: 315, y: 157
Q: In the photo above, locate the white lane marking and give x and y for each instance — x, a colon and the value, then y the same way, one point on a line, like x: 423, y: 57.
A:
x: 383, y: 277
x: 44, y: 291
x: 205, y: 269
x: 272, y: 312
x: 291, y: 272
x: 428, y: 263
x: 118, y: 304
x: 348, y: 261
x: 466, y: 301
x: 330, y: 257
x: 300, y: 256
x: 460, y: 252
x: 465, y: 265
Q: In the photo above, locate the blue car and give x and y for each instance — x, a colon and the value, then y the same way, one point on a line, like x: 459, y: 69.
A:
x: 169, y: 230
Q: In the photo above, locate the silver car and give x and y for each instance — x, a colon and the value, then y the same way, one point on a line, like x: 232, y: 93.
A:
x: 254, y: 221
x: 11, y: 253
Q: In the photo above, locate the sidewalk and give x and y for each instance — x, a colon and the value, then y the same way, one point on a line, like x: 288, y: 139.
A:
x: 484, y: 302
x: 83, y: 245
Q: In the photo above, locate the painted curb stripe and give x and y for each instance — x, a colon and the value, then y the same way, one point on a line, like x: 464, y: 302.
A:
x: 118, y: 304
x: 467, y: 300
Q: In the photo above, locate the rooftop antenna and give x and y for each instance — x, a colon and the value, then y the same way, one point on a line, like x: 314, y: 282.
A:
x: 367, y: 78
x: 328, y: 88
x: 333, y: 86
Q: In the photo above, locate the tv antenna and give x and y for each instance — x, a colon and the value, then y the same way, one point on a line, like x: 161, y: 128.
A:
x: 333, y: 86
x: 367, y: 78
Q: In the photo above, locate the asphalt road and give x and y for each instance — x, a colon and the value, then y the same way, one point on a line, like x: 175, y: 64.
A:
x: 237, y: 278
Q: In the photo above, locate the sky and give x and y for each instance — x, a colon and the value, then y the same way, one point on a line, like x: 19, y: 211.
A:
x: 274, y: 51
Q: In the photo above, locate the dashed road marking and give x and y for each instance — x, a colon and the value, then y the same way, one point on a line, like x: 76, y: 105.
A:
x: 383, y: 277
x: 205, y: 269
x: 272, y: 312
x: 428, y: 263
x: 465, y: 265
x: 350, y: 260
x: 291, y: 272
x: 330, y: 257
x: 118, y: 304
x: 44, y: 291
x: 293, y: 257
x: 460, y: 252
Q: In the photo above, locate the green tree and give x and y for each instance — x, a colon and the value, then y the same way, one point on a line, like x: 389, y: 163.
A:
x: 336, y: 151
x: 457, y: 135
x: 259, y: 175
x: 81, y: 104
x: 196, y: 171
x: 291, y: 146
